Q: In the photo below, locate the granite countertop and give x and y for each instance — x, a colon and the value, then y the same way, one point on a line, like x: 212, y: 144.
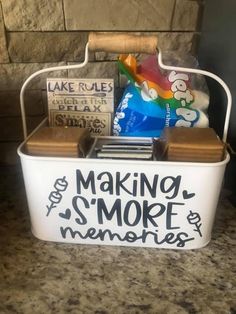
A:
x: 43, y: 277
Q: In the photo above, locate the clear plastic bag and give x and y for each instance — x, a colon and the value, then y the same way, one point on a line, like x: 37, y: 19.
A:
x: 154, y: 98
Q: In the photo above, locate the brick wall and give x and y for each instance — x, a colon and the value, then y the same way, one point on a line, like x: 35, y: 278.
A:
x: 38, y: 33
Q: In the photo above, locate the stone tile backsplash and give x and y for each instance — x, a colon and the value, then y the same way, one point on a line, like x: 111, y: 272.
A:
x: 38, y: 34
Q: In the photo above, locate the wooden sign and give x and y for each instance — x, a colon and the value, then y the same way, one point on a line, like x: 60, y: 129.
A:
x: 98, y: 123
x: 76, y: 99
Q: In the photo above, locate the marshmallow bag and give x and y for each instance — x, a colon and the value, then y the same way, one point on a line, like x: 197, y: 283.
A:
x: 156, y: 98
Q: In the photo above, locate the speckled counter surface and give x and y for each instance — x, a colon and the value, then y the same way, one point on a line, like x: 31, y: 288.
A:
x: 41, y: 277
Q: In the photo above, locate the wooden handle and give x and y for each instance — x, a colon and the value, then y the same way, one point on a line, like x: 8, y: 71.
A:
x: 122, y: 43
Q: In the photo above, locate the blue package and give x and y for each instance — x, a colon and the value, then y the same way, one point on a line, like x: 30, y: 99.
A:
x: 138, y: 117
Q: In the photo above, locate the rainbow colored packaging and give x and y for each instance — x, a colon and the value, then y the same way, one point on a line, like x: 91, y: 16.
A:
x: 154, y: 99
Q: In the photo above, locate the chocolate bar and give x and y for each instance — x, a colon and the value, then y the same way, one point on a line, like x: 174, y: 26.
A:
x: 119, y: 154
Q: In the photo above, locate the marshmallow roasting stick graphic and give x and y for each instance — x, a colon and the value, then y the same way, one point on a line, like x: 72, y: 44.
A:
x: 55, y: 197
x: 194, y: 219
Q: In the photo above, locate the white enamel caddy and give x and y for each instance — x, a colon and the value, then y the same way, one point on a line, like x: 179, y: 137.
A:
x: 141, y: 203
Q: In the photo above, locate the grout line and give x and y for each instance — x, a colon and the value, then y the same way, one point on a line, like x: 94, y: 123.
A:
x: 63, y: 12
x: 5, y: 34
x: 101, y: 31
x: 172, y: 16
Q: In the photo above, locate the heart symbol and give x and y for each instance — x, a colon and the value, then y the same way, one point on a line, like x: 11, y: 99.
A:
x: 65, y: 215
x: 187, y: 195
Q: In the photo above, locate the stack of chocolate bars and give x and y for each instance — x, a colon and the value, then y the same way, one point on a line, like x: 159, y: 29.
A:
x: 126, y: 150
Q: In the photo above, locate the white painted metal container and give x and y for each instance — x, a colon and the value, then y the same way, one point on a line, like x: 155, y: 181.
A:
x: 119, y: 202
